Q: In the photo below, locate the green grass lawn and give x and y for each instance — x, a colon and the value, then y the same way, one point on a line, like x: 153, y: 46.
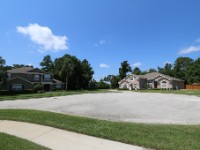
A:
x: 9, y: 142
x: 156, y: 136
x: 185, y: 92
x: 48, y: 94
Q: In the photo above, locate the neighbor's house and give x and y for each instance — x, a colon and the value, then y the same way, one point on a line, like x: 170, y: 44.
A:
x: 152, y: 80
x: 25, y: 78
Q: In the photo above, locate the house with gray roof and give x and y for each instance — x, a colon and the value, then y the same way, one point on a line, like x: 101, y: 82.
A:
x: 152, y: 80
x: 25, y: 78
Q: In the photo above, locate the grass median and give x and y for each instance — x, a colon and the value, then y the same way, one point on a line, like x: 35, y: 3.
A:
x: 9, y: 142
x: 183, y: 92
x: 155, y: 136
x: 48, y: 94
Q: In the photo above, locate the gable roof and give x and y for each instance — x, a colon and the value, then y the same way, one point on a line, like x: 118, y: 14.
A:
x: 153, y: 75
x: 20, y: 79
x: 26, y: 70
x: 57, y: 81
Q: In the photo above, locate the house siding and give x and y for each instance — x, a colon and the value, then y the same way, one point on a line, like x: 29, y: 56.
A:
x: 29, y: 77
x: 143, y: 83
x: 26, y: 77
x: 178, y: 84
x: 154, y: 81
x: 26, y: 85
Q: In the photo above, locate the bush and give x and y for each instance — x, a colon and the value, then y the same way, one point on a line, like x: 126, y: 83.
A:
x: 123, y: 89
x: 147, y: 86
x: 38, y: 87
x: 27, y: 91
x: 6, y: 92
x: 93, y: 85
x: 103, y: 85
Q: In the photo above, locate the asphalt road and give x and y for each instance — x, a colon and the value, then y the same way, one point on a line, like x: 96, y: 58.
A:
x: 124, y: 106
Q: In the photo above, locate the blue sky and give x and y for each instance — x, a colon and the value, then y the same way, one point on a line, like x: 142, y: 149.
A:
x: 147, y: 33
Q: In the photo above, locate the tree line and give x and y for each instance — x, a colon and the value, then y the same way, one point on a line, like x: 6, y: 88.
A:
x: 75, y: 73
x: 184, y: 68
x: 78, y: 74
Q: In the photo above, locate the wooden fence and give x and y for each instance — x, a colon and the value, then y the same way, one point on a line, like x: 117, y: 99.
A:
x: 194, y: 87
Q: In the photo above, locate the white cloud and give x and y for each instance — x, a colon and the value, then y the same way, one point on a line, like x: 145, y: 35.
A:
x: 43, y: 36
x: 104, y: 66
x: 190, y: 49
x: 198, y: 40
x: 100, y: 43
x: 29, y: 64
x: 137, y: 64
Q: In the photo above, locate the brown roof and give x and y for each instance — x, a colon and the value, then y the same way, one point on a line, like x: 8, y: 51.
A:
x: 153, y: 75
x: 57, y: 81
x: 26, y: 70
x: 141, y: 76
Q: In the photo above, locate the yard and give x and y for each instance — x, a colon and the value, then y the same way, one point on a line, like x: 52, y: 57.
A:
x: 9, y: 142
x: 185, y: 92
x: 48, y: 94
x: 155, y: 136
x: 146, y: 118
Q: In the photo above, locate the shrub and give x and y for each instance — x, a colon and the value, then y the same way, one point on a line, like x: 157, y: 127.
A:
x: 93, y: 85
x: 103, y: 85
x: 6, y: 92
x: 38, y: 87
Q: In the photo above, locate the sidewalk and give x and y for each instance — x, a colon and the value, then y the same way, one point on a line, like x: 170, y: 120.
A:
x: 58, y: 139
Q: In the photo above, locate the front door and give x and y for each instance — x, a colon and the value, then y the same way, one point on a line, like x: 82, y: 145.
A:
x: 155, y: 84
x: 47, y: 87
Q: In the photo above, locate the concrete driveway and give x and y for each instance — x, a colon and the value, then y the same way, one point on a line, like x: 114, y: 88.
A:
x: 123, y: 106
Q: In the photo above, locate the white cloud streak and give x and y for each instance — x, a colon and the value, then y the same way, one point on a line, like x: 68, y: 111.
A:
x: 198, y: 40
x: 137, y: 64
x: 104, y: 66
x: 100, y: 43
x: 44, y: 37
x: 190, y: 49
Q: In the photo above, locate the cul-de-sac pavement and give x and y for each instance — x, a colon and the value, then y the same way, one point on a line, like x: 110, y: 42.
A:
x: 120, y: 106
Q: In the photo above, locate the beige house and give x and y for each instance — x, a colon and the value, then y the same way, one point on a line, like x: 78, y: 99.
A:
x: 152, y: 80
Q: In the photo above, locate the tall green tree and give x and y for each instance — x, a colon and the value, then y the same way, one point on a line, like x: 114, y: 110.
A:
x: 124, y: 69
x: 194, y: 72
x: 181, y: 69
x: 87, y: 73
x: 2, y: 62
x: 3, y: 77
x: 167, y: 70
x: 136, y: 71
x: 64, y: 68
x: 114, y: 82
x: 21, y: 65
x: 152, y: 70
x: 47, y: 64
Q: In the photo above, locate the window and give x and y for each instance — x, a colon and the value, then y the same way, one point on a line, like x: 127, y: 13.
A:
x: 58, y: 86
x: 29, y: 75
x: 47, y: 76
x: 36, y: 77
x: 164, y: 84
x: 9, y: 75
x: 17, y: 87
x: 124, y: 86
